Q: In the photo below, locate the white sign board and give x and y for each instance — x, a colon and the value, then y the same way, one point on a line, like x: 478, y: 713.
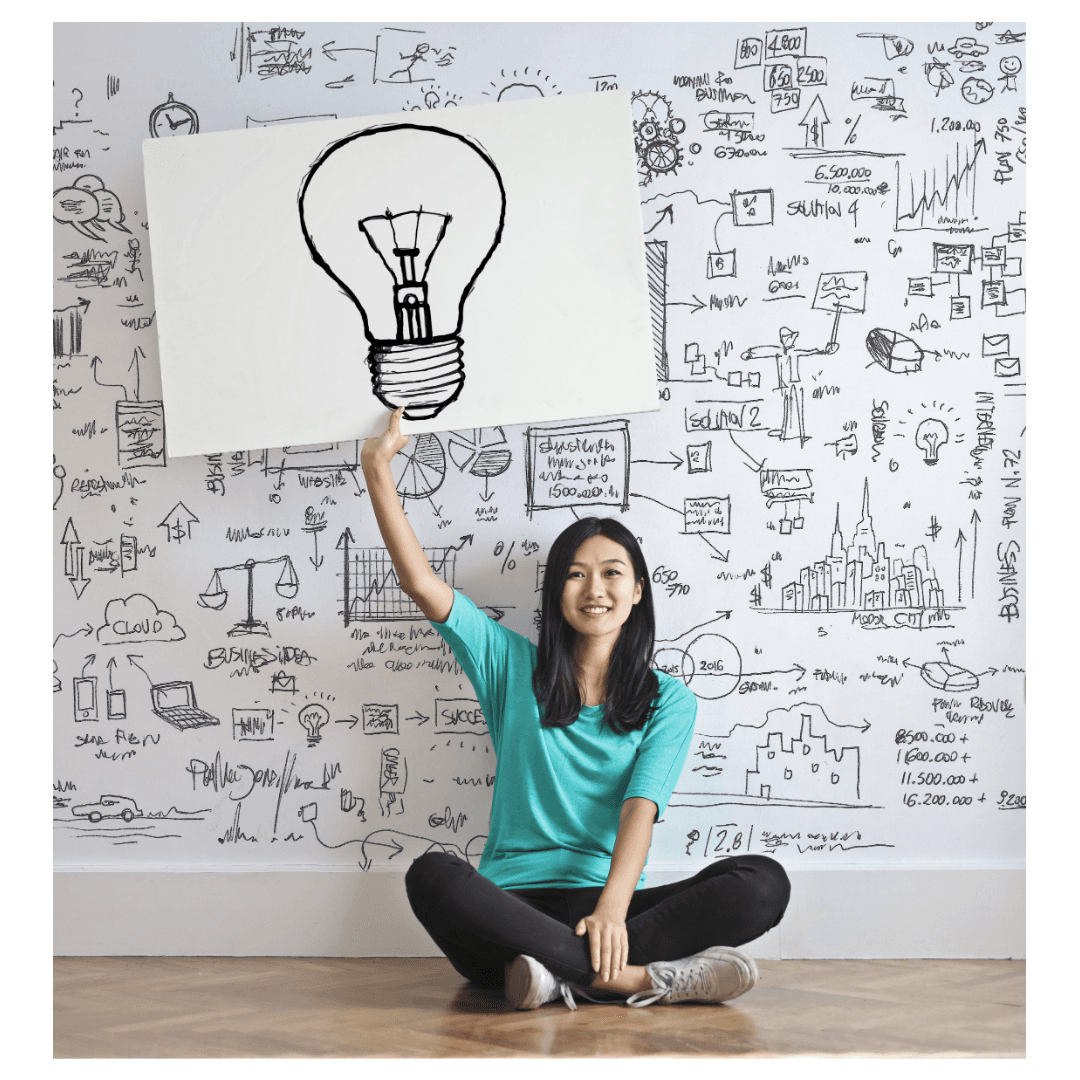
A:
x: 481, y: 266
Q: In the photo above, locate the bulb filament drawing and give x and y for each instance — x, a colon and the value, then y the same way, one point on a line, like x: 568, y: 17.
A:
x: 408, y: 269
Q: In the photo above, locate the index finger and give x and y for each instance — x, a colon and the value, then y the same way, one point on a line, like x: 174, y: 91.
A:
x: 393, y: 426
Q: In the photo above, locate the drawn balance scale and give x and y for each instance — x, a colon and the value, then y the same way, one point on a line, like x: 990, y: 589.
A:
x: 216, y: 595
x: 173, y: 117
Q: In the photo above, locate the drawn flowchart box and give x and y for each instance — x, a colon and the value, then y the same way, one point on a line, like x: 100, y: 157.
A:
x: 457, y: 715
x: 748, y: 52
x: 710, y: 514
x: 752, y: 207
x: 253, y: 725
x: 379, y: 719
x: 953, y: 258
x: 699, y: 457
x: 577, y: 465
x: 720, y: 264
x: 841, y: 290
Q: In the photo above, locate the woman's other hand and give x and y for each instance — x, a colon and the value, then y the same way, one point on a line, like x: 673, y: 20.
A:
x: 608, y: 943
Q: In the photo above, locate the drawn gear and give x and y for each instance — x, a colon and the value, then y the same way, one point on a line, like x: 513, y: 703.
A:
x: 661, y: 156
x: 656, y: 134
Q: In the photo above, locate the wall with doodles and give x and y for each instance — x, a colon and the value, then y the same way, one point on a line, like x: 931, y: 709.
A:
x: 830, y: 495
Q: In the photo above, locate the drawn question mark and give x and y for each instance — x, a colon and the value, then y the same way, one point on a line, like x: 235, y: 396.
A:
x: 79, y: 102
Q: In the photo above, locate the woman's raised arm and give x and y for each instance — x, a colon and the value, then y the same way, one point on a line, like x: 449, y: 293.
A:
x: 429, y: 592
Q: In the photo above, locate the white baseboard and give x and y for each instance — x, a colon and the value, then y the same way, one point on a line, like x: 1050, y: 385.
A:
x: 833, y: 914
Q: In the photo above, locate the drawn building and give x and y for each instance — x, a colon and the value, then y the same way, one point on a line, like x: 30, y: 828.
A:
x: 859, y: 576
x: 803, y: 767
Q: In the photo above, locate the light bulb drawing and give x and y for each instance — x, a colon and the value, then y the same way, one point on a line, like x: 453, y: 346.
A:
x: 313, y: 718
x: 930, y: 436
x: 215, y: 596
x: 404, y: 217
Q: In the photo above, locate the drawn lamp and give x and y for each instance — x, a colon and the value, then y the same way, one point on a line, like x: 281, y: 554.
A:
x: 930, y: 436
x: 404, y: 218
x: 313, y: 719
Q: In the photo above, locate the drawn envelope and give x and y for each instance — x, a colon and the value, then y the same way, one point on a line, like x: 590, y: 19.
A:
x: 995, y: 345
x: 1007, y: 367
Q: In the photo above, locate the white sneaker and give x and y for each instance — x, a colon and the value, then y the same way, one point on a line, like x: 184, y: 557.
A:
x: 529, y: 985
x: 714, y: 975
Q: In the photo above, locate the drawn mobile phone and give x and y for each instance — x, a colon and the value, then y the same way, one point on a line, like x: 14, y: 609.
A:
x: 116, y: 704
x: 86, y: 707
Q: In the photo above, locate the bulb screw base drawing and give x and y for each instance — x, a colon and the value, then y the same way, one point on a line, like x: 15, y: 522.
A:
x: 424, y: 377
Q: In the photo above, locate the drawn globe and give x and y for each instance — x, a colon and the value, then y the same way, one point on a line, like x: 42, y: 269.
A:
x: 420, y: 469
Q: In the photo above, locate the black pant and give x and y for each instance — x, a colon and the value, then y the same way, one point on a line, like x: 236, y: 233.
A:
x: 481, y: 927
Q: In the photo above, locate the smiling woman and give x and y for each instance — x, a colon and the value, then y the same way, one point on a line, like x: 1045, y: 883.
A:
x: 590, y: 742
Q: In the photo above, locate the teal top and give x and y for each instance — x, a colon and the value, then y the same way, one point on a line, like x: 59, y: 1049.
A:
x: 558, y: 790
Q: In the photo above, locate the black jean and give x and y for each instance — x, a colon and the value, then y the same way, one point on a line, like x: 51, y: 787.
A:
x: 480, y: 927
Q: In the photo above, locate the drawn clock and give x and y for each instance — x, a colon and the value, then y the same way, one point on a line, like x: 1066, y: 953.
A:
x: 173, y: 118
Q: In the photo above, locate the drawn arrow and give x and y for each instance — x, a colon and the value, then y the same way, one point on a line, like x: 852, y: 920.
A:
x: 988, y: 671
x: 339, y: 83
x: 317, y: 561
x: 135, y: 364
x: 696, y: 306
x: 975, y: 519
x: 755, y: 466
x: 721, y: 555
x: 178, y: 521
x: 437, y: 509
x: 78, y: 579
x: 814, y: 121
x: 131, y: 660
x: 89, y: 660
x: 497, y: 613
x: 676, y: 460
x: 486, y: 497
x: 466, y: 539
x: 110, y: 665
x: 960, y: 538
x: 343, y: 545
x: 669, y: 211
x: 87, y: 630
x: 420, y: 717
x: 785, y: 671
x: 93, y: 368
x: 351, y: 722
x: 328, y: 52
x: 863, y: 727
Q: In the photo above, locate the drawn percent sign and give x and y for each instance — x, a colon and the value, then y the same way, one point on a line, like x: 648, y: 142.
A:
x: 710, y: 665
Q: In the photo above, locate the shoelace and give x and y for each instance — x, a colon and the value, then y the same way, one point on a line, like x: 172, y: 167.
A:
x: 567, y: 994
x: 672, y: 984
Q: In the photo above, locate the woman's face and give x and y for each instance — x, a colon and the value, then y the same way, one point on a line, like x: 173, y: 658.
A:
x: 600, y: 588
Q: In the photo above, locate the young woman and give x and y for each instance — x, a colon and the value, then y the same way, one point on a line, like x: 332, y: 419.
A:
x: 589, y: 742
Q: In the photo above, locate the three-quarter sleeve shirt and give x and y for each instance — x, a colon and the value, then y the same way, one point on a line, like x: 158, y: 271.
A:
x: 558, y: 790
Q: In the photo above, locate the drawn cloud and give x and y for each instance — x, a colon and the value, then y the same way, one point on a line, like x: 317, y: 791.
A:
x: 137, y: 618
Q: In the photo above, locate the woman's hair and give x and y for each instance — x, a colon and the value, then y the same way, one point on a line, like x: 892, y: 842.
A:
x: 632, y: 685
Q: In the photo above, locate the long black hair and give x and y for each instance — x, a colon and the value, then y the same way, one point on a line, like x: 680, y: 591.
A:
x: 632, y: 685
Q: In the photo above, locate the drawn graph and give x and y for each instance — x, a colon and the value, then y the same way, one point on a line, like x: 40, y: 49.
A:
x: 942, y: 197
x: 372, y: 590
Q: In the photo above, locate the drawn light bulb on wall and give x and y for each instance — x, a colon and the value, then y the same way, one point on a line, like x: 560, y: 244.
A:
x: 930, y: 436
x: 404, y: 218
x: 313, y: 718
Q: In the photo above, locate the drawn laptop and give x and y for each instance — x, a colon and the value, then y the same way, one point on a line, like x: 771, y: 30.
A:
x: 174, y: 702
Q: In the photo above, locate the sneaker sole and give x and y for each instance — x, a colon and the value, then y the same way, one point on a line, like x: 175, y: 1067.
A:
x: 744, y: 964
x: 522, y: 987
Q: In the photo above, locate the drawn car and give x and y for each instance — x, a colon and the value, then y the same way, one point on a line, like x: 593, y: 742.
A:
x: 108, y: 806
x: 968, y: 46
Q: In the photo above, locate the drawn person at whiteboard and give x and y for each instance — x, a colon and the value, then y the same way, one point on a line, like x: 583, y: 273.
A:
x: 787, y: 357
x: 590, y: 742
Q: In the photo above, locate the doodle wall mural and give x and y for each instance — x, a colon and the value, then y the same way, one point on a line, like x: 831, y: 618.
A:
x: 830, y: 495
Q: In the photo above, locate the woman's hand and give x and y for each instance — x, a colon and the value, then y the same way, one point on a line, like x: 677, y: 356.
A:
x: 608, y: 943
x: 385, y: 446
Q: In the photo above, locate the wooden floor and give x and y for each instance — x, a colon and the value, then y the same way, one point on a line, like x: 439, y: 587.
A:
x: 275, y: 1007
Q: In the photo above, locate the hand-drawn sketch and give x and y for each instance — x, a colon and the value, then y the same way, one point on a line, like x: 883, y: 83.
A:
x: 854, y: 461
x: 216, y: 596
x: 455, y: 193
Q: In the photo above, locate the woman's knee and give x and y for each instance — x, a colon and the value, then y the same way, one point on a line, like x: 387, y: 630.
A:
x: 772, y: 883
x: 429, y: 871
